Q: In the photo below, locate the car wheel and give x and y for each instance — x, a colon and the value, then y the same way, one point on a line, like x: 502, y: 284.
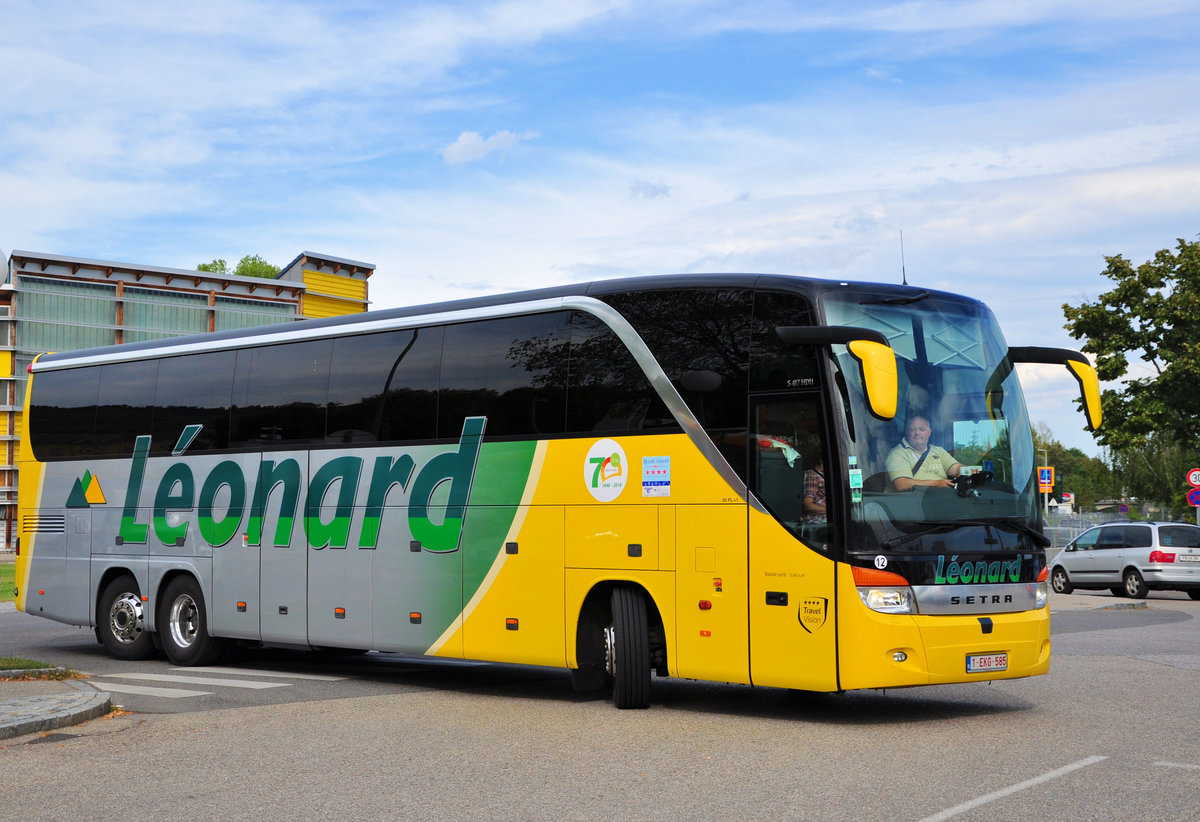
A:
x: 1060, y: 582
x: 1117, y: 590
x: 1194, y: 594
x: 1135, y: 586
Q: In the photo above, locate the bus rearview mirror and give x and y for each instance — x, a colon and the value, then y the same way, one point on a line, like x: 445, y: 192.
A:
x: 1079, y: 367
x: 876, y: 359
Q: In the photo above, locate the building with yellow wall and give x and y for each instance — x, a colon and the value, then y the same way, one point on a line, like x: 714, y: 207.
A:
x: 50, y: 302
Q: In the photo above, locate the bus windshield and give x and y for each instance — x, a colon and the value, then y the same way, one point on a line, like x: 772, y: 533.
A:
x: 961, y: 429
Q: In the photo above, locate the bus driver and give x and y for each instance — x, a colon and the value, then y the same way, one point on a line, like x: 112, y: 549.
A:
x: 914, y: 462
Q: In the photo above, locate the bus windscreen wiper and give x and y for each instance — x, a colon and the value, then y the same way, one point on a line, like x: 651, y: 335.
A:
x: 1017, y: 524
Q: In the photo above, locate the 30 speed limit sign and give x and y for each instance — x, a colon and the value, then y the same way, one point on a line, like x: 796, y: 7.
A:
x: 1193, y: 477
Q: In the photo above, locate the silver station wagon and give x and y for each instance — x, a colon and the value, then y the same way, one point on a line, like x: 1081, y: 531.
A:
x: 1130, y: 559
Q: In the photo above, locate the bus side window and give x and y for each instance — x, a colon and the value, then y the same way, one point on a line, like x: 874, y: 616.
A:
x: 607, y: 391
x: 195, y: 389
x: 63, y: 413
x: 383, y: 387
x: 788, y: 450
x: 124, y: 405
x: 280, y: 392
x: 511, y: 370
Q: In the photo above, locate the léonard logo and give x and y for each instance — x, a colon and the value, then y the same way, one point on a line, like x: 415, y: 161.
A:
x: 86, y: 492
x: 967, y: 572
x: 223, y: 503
x: 605, y: 470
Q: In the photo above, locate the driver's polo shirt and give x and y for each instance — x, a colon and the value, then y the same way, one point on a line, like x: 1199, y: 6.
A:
x: 903, y: 457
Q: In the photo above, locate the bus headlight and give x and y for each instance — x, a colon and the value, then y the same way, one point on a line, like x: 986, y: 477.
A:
x: 889, y: 600
x: 1041, y: 595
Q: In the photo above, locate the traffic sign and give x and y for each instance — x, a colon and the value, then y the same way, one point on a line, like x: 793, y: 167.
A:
x: 1194, y: 497
x: 1193, y: 477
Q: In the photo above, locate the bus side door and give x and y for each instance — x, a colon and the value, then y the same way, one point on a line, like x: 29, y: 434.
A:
x: 793, y: 643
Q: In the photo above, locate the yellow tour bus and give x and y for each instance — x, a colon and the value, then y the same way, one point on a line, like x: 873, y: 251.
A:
x: 756, y: 479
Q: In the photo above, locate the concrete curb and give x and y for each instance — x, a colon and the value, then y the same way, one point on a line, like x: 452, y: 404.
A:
x: 33, y: 714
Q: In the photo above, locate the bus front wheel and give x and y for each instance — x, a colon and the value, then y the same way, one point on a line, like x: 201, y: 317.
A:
x: 183, y: 625
x: 627, y: 649
x: 121, y: 622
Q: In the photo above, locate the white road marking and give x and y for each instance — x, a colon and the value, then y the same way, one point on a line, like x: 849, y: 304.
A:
x: 258, y: 672
x: 950, y: 813
x: 1183, y: 765
x: 203, y: 680
x: 145, y: 690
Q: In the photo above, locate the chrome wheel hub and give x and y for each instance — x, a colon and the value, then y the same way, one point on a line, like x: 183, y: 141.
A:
x: 610, y: 651
x: 125, y: 618
x: 183, y: 621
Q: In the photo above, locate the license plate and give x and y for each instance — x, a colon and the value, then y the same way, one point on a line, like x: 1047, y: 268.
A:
x: 1189, y: 557
x: 982, y: 663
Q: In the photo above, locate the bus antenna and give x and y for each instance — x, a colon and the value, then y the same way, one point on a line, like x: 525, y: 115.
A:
x: 903, y: 273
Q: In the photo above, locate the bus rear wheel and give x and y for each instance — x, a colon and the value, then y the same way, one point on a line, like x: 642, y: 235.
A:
x: 627, y: 649
x: 183, y: 625
x: 121, y: 620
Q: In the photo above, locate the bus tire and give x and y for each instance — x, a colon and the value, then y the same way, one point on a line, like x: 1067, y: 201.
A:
x: 121, y: 620
x: 627, y: 649
x: 183, y: 625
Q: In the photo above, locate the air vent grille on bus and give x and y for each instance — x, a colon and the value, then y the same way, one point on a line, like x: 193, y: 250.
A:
x: 44, y: 524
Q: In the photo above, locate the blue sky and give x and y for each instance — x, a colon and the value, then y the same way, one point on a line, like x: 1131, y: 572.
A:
x: 475, y: 147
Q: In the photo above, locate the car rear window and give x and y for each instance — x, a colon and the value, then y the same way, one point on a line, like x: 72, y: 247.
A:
x: 1138, y: 536
x: 1179, y: 536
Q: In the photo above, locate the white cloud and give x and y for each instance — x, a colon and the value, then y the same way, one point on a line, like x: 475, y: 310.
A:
x: 471, y: 146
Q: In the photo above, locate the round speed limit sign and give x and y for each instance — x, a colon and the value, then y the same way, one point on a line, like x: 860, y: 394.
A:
x: 1193, y: 477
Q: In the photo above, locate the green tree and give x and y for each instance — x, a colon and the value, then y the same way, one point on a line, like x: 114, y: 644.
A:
x: 1155, y: 472
x: 1152, y: 313
x: 1151, y: 423
x: 251, y: 265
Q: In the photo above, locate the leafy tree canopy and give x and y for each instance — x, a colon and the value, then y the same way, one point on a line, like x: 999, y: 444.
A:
x: 251, y: 265
x: 1153, y: 313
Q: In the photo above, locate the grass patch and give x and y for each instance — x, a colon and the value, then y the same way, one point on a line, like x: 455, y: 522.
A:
x: 31, y: 669
x: 15, y: 663
x: 8, y: 576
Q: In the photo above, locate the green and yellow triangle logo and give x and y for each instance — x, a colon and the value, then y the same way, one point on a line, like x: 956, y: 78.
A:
x: 86, y: 492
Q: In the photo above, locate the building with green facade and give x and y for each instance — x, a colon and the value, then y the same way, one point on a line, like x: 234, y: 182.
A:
x: 55, y: 303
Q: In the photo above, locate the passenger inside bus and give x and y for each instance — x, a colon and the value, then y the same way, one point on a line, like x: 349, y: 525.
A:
x: 915, y: 462
x: 813, y: 499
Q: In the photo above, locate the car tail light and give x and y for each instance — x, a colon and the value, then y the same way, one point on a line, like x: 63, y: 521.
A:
x: 1161, y: 556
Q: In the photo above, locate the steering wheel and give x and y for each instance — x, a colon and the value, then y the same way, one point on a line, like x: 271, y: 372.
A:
x: 981, y: 478
x: 964, y: 486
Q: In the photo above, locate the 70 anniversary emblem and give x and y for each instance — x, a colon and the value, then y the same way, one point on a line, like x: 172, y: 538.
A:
x: 605, y: 470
